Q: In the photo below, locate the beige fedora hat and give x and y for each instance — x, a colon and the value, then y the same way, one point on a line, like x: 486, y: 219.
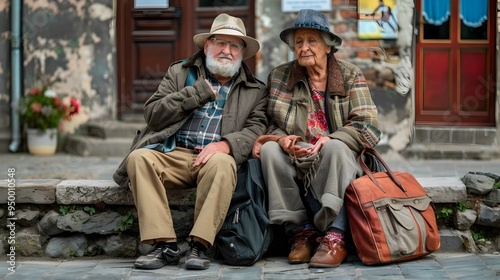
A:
x: 225, y: 24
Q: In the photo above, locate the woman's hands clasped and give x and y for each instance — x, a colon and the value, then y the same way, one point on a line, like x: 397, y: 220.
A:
x: 288, y: 144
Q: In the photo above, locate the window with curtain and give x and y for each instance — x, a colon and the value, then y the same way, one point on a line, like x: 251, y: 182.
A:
x: 436, y: 12
x: 473, y: 19
x: 436, y: 15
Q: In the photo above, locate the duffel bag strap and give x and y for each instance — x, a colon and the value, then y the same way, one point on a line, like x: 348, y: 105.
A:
x: 369, y: 172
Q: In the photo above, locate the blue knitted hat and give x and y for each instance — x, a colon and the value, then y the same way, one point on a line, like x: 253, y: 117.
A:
x: 313, y: 20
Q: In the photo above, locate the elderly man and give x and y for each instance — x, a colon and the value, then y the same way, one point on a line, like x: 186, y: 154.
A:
x: 197, y: 135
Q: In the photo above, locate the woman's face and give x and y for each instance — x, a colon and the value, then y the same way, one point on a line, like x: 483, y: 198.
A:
x: 310, y: 49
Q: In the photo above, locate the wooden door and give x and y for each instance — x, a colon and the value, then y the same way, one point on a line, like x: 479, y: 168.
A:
x: 149, y: 40
x: 455, y: 65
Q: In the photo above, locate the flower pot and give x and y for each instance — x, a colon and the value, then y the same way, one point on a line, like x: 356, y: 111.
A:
x: 42, y: 143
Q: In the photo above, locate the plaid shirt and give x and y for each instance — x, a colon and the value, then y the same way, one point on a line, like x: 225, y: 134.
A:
x: 203, y: 126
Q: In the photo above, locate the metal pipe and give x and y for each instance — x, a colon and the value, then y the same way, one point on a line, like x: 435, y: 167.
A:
x: 16, y: 82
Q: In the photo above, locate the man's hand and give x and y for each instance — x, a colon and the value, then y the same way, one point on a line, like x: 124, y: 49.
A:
x: 211, y: 149
x: 210, y: 85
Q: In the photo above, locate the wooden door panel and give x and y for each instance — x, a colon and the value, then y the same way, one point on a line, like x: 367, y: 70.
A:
x: 153, y: 49
x: 147, y: 44
x: 473, y: 69
x: 148, y: 70
x: 148, y: 63
x: 435, y: 70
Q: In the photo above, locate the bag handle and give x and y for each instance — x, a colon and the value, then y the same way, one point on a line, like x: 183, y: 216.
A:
x: 369, y: 172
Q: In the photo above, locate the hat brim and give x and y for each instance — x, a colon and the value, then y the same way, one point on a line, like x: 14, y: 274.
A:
x: 284, y: 35
x: 252, y: 46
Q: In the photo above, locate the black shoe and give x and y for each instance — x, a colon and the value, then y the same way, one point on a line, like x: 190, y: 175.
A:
x: 159, y: 257
x: 195, y: 256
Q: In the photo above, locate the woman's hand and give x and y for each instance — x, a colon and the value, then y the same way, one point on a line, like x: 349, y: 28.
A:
x: 319, y: 144
x: 287, y: 143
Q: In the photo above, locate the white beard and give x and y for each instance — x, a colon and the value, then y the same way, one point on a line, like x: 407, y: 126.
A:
x: 225, y: 68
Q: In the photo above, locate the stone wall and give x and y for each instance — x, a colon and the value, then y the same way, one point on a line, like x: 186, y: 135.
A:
x: 477, y: 218
x: 75, y: 218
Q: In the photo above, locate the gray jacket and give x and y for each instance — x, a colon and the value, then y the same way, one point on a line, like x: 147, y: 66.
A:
x: 244, y: 114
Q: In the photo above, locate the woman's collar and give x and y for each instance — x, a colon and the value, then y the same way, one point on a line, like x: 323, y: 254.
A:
x: 335, y: 83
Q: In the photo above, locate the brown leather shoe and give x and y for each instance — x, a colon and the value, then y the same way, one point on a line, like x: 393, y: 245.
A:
x: 331, y: 252
x: 303, y: 246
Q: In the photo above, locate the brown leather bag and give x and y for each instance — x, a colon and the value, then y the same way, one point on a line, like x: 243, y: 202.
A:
x: 391, y: 216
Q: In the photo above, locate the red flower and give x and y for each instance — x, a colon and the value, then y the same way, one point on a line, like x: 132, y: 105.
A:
x: 35, y: 91
x: 36, y: 107
x: 74, y: 107
x: 57, y: 102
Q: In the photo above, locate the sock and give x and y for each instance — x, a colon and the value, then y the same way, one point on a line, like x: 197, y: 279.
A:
x: 339, y: 237
x: 198, y: 245
x: 334, y: 229
x: 308, y: 226
x: 292, y: 229
x: 172, y: 245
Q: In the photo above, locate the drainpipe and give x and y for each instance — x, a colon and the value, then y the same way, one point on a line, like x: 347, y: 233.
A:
x: 16, y: 83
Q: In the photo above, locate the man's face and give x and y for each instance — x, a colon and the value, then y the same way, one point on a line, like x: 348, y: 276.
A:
x: 224, y: 54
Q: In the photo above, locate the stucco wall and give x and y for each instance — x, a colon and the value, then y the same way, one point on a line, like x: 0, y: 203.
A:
x: 69, y: 45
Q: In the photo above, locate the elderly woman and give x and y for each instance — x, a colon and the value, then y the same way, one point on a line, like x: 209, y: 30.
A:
x: 323, y: 117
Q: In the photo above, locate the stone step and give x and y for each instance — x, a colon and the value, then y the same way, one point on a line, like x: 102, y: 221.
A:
x: 112, y: 129
x: 82, y: 192
x: 48, y: 191
x: 94, y: 146
x: 103, y: 138
x: 451, y: 241
x: 447, y: 151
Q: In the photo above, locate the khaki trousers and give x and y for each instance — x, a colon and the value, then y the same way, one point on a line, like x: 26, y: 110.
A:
x: 152, y: 172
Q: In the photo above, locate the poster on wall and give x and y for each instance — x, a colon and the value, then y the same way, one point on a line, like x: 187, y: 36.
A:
x: 377, y: 19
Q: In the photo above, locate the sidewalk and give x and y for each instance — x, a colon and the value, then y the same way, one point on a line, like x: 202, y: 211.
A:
x: 435, y: 266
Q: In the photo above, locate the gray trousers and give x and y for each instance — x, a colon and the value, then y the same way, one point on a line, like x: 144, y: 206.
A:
x: 337, y: 167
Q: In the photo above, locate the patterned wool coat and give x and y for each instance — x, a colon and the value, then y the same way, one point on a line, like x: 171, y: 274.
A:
x: 352, y: 113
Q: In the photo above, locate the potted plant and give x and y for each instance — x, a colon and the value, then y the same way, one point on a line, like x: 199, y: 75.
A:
x: 42, y: 111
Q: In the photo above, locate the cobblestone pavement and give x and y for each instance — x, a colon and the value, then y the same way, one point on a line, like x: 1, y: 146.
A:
x: 435, y: 266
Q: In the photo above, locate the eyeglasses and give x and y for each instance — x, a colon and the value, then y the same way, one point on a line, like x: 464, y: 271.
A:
x: 221, y: 43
